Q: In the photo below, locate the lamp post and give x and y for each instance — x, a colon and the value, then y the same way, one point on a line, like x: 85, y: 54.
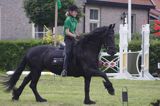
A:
x: 124, y: 95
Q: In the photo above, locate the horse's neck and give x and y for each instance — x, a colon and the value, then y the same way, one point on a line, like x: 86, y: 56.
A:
x: 90, y: 43
x: 94, y: 45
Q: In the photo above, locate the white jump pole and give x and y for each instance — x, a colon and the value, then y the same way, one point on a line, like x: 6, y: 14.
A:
x: 123, y: 45
x: 123, y: 55
x: 145, y: 53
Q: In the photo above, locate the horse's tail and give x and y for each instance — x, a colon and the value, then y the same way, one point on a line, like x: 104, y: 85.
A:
x: 11, y: 82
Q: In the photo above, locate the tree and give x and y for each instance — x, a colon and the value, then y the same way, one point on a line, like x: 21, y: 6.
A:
x: 42, y: 12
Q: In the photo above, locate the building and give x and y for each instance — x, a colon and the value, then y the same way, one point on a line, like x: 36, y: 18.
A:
x: 105, y: 12
x: 15, y: 25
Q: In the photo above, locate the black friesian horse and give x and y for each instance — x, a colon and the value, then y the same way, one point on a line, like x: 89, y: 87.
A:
x: 84, y: 63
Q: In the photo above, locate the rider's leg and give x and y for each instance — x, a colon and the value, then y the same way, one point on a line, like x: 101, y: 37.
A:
x: 68, y: 50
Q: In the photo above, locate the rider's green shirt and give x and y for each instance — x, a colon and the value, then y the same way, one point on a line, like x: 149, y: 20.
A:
x: 71, y: 24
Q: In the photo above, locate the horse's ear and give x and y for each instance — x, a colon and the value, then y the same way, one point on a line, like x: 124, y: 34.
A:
x: 113, y: 26
x: 110, y: 26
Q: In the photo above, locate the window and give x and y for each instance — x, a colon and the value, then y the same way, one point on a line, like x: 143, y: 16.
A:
x: 94, y: 19
x: 94, y: 14
x: 133, y: 23
x: 38, y: 31
x: 93, y: 26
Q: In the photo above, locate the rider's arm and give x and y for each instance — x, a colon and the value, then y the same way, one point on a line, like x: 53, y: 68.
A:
x: 68, y: 33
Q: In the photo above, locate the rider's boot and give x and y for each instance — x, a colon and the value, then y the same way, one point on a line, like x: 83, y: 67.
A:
x: 64, y: 73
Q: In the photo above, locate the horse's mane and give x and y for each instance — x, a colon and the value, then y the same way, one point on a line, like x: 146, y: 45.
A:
x: 95, y: 33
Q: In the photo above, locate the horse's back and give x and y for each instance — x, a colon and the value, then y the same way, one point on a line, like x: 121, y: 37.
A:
x: 36, y: 55
x: 38, y: 50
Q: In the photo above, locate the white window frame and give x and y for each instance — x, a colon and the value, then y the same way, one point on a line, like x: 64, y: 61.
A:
x: 93, y: 20
x: 34, y: 32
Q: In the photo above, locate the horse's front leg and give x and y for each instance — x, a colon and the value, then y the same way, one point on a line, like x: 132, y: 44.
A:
x: 87, y: 100
x: 107, y: 83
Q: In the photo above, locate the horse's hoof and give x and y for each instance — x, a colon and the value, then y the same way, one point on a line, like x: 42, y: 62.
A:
x: 41, y: 100
x: 109, y: 88
x: 15, y: 94
x: 15, y: 98
x: 89, y: 102
x: 111, y: 92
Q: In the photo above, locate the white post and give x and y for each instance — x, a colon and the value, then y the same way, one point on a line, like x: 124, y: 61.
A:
x: 123, y: 46
x: 145, y: 53
x: 129, y: 19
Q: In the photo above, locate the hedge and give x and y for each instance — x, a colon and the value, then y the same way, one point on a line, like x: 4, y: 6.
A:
x: 12, y: 51
x: 154, y: 53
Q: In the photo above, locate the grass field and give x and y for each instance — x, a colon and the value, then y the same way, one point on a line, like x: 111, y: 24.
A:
x: 70, y: 92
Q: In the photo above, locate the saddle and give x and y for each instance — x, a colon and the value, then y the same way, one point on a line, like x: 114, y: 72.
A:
x: 59, y: 53
x: 58, y: 56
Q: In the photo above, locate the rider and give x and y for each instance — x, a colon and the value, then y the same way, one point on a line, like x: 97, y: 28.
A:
x: 70, y: 34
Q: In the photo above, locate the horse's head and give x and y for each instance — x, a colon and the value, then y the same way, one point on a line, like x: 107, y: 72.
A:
x: 109, y: 40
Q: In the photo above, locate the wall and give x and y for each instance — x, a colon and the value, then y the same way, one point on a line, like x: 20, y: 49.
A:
x: 14, y: 21
x: 110, y: 15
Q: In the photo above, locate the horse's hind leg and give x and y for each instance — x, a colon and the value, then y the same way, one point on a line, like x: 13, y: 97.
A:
x: 35, y: 77
x: 17, y: 92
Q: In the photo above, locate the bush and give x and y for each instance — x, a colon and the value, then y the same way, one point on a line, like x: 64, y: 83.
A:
x: 154, y: 52
x: 11, y: 52
x: 154, y: 56
x: 48, y: 38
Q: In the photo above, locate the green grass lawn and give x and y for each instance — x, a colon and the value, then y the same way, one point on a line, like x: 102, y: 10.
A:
x: 70, y: 92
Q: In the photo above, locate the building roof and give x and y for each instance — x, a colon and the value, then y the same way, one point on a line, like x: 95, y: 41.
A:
x: 157, y: 4
x: 155, y: 12
x: 124, y: 3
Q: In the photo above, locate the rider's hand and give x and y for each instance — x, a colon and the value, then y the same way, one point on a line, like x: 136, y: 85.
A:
x: 76, y: 38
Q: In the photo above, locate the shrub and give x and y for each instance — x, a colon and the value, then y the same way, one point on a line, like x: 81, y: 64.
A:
x: 11, y: 52
x: 154, y: 56
x: 49, y: 38
x: 154, y: 52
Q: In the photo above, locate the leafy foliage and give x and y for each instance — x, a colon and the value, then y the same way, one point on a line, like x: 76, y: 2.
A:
x: 12, y: 52
x: 42, y: 12
x: 49, y: 38
x: 154, y: 52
